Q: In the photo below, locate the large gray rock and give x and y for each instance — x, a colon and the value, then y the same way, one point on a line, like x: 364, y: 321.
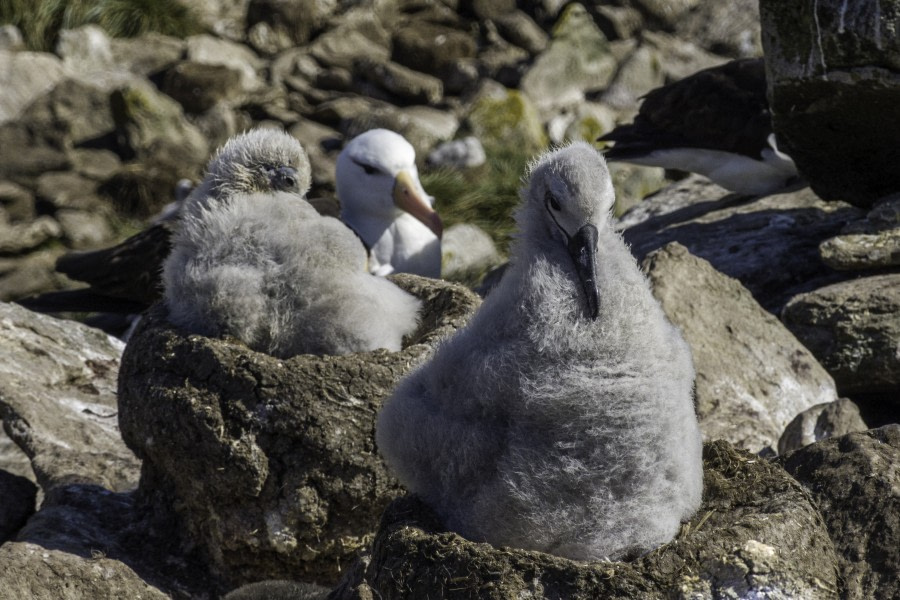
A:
x: 24, y: 77
x: 870, y: 243
x: 853, y: 329
x: 210, y: 50
x: 753, y: 376
x: 756, y: 535
x: 576, y: 62
x: 770, y: 244
x: 690, y: 191
x: 58, y: 400
x: 40, y: 573
x: 432, y: 48
x: 856, y: 484
x: 198, y: 86
x: 270, y: 463
x: 467, y: 253
x: 820, y: 422
x: 358, y: 33
x: 726, y: 28
x: 406, y: 85
x: 150, y: 123
x: 825, y: 61
x: 105, y: 540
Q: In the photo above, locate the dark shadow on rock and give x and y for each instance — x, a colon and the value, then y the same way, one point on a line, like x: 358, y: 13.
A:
x: 92, y: 522
x: 855, y: 481
x: 270, y: 464
x: 770, y: 244
x: 756, y: 532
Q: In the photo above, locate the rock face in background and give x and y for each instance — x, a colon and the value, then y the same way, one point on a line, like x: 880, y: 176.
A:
x: 270, y: 463
x: 753, y: 376
x: 833, y: 70
x: 855, y: 482
x: 58, y: 400
x: 755, y: 534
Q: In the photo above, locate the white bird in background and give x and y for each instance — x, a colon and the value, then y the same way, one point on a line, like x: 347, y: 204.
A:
x: 383, y: 201
x: 561, y: 418
x: 266, y: 268
x: 715, y: 122
x: 375, y: 192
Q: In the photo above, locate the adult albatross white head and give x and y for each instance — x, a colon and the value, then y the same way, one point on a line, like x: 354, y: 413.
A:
x: 383, y: 200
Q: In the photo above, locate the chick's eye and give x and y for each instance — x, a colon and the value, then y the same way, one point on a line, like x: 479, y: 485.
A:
x: 552, y: 201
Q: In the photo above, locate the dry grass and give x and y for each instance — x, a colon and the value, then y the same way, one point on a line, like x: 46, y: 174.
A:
x: 41, y: 20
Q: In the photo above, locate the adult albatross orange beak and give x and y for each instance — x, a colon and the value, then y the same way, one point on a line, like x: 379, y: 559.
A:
x: 383, y: 200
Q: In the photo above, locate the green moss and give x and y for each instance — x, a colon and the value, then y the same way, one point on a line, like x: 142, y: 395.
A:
x: 507, y: 122
x: 41, y: 20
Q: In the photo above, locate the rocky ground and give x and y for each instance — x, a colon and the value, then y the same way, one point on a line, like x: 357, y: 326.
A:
x: 187, y: 466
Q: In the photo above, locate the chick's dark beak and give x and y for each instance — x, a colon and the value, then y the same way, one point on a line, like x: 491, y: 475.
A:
x: 285, y: 179
x: 583, y: 250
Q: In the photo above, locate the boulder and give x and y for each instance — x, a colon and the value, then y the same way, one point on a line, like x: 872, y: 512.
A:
x: 756, y: 535
x: 853, y: 329
x: 147, y: 54
x: 30, y: 274
x: 769, y: 243
x: 404, y: 84
x: 432, y: 48
x: 24, y: 77
x: 727, y: 28
x: 869, y: 243
x: 270, y: 463
x: 637, y: 75
x: 356, y: 34
x: 107, y: 539
x: 87, y: 55
x: 855, y: 482
x: 39, y: 573
x: 458, y: 154
x: 151, y: 124
x: 11, y: 38
x: 753, y: 376
x: 19, y: 495
x: 502, y: 117
x: 824, y: 60
x: 290, y: 22
x: 820, y: 422
x: 75, y: 112
x: 520, y: 29
x: 20, y: 238
x: 576, y: 62
x: 467, y: 253
x: 198, y: 86
x: 58, y: 190
x: 209, y: 50
x: 665, y: 14
x: 58, y: 400
x: 16, y: 202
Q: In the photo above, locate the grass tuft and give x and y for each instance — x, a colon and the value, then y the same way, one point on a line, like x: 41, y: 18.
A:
x: 40, y: 21
x: 484, y: 196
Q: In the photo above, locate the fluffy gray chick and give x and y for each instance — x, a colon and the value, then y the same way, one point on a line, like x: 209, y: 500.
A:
x: 262, y: 266
x: 561, y: 418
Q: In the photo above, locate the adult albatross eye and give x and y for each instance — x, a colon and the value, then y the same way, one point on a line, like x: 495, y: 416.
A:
x: 368, y: 169
x: 552, y: 201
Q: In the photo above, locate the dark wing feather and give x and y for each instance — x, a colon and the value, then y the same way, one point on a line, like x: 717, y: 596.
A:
x: 720, y: 108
